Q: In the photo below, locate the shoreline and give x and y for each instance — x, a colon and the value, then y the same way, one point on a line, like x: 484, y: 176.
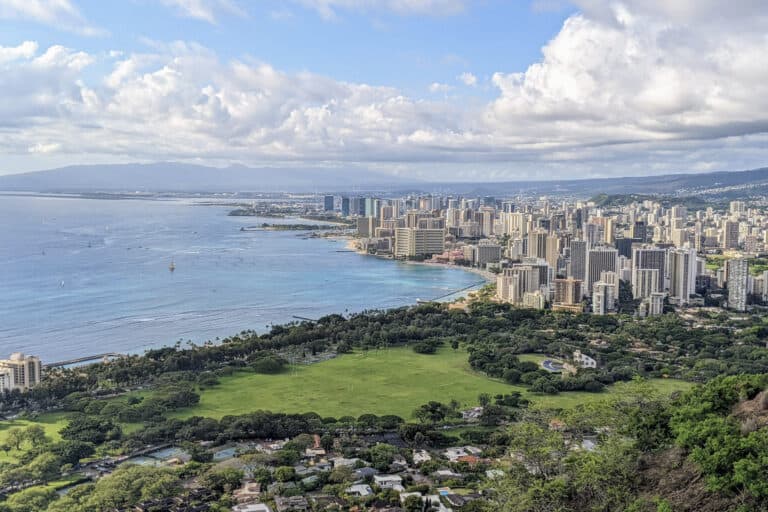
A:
x: 488, y: 277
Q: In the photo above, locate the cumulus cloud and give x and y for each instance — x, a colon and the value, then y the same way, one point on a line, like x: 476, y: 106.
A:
x: 436, y: 87
x: 622, y: 88
x: 638, y: 78
x: 23, y: 51
x: 328, y: 8
x: 55, y: 13
x: 204, y: 10
x: 468, y: 79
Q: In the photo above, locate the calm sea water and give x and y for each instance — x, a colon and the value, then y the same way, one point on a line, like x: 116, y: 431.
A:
x: 84, y: 276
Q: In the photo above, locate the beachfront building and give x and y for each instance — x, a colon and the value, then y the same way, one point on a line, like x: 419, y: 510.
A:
x: 19, y: 372
x: 418, y: 242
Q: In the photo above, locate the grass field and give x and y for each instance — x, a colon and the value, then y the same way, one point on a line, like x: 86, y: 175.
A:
x: 51, y: 422
x: 393, y: 381
x: 536, y: 358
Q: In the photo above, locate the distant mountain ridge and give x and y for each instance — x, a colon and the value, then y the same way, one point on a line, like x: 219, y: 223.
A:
x: 722, y: 184
x: 180, y: 177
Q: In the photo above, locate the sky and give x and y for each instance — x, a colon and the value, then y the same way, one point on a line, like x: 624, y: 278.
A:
x: 443, y: 90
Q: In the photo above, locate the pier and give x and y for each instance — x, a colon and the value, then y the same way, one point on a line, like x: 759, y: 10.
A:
x: 304, y: 318
x: 84, y: 359
x: 436, y: 299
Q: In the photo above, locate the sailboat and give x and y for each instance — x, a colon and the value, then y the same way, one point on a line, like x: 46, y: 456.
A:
x: 172, y: 266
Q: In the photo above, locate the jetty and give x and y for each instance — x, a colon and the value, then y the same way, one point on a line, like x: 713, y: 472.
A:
x: 304, y: 318
x: 84, y: 359
x: 454, y: 292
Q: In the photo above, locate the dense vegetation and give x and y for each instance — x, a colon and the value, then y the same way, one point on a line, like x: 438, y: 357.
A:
x: 696, y: 349
x: 715, y: 435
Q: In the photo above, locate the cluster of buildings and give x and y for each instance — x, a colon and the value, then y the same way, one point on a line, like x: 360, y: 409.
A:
x: 574, y: 255
x: 19, y: 372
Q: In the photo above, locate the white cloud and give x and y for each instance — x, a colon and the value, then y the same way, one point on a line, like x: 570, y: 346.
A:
x: 623, y: 90
x: 467, y: 79
x: 55, y: 13
x: 328, y: 8
x: 44, y: 148
x: 204, y: 10
x: 24, y: 51
x: 436, y: 87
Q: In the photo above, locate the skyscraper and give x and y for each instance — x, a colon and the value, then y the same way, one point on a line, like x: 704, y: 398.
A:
x: 568, y: 291
x: 651, y: 258
x: 578, y: 260
x: 645, y: 281
x: 738, y: 279
x: 682, y: 275
x: 415, y: 242
x: 599, y: 260
x: 19, y: 372
x: 730, y: 234
x: 537, y: 244
x: 603, y: 298
x: 553, y: 252
x: 345, y: 206
x: 638, y: 230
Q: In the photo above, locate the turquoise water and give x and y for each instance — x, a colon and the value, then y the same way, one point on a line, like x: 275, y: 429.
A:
x: 86, y: 276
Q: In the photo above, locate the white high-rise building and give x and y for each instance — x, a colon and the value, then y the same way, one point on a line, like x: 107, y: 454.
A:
x: 738, y: 280
x: 415, y: 242
x: 603, y: 298
x: 645, y: 281
x: 682, y: 275
x: 19, y: 372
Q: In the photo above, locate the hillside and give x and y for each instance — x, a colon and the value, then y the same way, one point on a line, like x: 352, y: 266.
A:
x: 179, y: 177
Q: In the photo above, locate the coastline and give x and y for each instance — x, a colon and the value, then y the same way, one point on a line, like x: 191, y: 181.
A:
x: 488, y: 277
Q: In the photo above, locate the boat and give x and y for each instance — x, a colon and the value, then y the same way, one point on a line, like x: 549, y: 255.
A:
x: 172, y: 266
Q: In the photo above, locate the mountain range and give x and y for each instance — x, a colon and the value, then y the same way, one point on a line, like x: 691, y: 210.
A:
x: 176, y: 177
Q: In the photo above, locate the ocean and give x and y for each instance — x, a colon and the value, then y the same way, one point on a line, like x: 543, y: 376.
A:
x: 87, y: 276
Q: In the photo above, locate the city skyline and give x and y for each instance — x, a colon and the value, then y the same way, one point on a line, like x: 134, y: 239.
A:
x: 444, y: 90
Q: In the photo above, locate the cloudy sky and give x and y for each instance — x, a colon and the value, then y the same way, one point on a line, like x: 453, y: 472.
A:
x: 438, y: 89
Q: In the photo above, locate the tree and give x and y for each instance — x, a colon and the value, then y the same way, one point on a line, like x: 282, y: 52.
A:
x: 484, y: 399
x: 15, y: 437
x: 287, y: 457
x: 382, y: 455
x: 222, y: 480
x: 71, y: 452
x: 35, y: 434
x: 130, y: 485
x: 90, y: 429
x: 44, y: 467
x: 431, y: 412
x: 285, y: 474
x: 327, y: 442
x: 35, y: 499
x: 413, y: 504
x: 197, y: 453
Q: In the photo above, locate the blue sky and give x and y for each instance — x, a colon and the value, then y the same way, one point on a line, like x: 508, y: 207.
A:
x: 443, y: 89
x: 375, y: 46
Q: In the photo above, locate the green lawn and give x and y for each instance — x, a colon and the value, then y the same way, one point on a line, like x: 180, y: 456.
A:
x: 51, y: 422
x: 574, y: 398
x: 393, y: 381
x: 536, y: 358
